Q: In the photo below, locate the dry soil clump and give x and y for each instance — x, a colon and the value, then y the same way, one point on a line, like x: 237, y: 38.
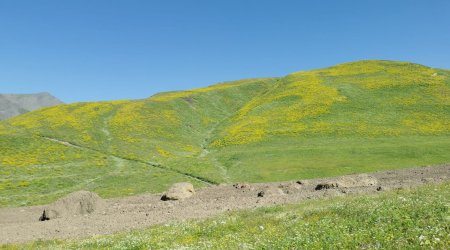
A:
x: 270, y: 191
x: 352, y: 181
x: 179, y: 191
x: 360, y: 180
x: 74, y: 204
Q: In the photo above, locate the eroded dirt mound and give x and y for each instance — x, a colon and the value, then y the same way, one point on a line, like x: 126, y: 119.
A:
x: 326, y: 185
x: 270, y: 191
x: 77, y: 203
x: 242, y: 186
x: 179, y: 191
x: 360, y: 180
x: 351, y: 181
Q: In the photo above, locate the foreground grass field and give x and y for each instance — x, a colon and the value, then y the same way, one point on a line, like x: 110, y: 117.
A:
x: 278, y: 160
x: 350, y: 118
x: 403, y: 219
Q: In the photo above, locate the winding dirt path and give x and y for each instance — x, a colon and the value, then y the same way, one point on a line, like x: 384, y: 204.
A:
x: 121, y: 214
x: 150, y: 164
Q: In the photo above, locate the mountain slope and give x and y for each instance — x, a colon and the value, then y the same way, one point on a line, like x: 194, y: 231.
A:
x: 354, y: 117
x: 369, y: 98
x: 14, y: 104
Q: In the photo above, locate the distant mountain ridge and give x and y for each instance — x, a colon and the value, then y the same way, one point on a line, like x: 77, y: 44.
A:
x: 16, y: 104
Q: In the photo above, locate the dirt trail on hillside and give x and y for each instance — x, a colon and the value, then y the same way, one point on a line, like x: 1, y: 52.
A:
x: 120, y: 214
x: 150, y: 164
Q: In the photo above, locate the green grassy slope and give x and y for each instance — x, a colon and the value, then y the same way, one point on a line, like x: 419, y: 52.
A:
x: 354, y: 117
x: 405, y: 219
x: 114, y: 142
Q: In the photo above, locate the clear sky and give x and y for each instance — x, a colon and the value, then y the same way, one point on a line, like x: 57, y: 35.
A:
x: 88, y: 50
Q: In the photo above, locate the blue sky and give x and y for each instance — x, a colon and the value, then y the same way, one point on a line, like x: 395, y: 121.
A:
x: 88, y: 50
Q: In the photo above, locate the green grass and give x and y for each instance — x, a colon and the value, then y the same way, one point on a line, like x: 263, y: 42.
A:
x: 111, y: 178
x: 314, y: 157
x: 354, y: 117
x: 405, y: 219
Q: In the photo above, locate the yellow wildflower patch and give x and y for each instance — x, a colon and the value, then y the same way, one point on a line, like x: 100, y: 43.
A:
x: 280, y: 111
x: 427, y: 123
x: 162, y: 152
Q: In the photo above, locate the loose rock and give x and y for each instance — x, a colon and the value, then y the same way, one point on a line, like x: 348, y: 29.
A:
x: 242, y: 186
x: 43, y: 217
x: 326, y: 185
x: 302, y: 182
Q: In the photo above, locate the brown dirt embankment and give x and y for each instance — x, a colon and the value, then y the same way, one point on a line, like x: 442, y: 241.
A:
x: 83, y: 214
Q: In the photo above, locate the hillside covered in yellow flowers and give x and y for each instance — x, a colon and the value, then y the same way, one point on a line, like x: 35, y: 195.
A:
x: 354, y: 117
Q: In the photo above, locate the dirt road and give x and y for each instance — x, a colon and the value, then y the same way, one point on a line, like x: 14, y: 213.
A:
x: 22, y: 224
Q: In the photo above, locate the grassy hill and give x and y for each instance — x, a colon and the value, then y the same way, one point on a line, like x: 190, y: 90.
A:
x: 355, y: 117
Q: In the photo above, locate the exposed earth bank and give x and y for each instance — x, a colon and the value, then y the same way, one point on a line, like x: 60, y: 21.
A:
x: 84, y: 214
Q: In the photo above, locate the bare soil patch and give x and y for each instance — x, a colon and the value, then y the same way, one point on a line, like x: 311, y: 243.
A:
x: 83, y: 214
